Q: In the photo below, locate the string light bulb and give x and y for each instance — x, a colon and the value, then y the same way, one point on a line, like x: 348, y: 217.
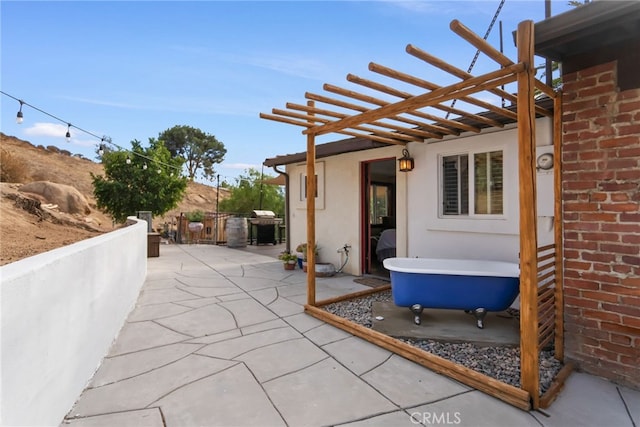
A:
x: 159, y: 171
x: 144, y: 166
x: 101, y: 149
x: 103, y: 139
x: 19, y: 116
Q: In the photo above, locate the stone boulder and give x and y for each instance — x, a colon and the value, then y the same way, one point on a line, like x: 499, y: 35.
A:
x: 67, y: 198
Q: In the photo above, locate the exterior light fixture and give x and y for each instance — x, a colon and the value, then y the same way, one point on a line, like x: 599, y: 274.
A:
x: 405, y: 163
x: 19, y: 116
x: 68, y: 135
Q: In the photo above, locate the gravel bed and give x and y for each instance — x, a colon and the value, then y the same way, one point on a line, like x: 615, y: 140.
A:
x: 501, y: 363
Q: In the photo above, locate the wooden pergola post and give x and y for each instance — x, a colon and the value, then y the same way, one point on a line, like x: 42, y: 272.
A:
x: 529, y: 374
x: 311, y: 213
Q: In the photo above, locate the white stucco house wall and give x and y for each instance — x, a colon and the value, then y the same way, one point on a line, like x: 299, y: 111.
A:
x: 422, y: 228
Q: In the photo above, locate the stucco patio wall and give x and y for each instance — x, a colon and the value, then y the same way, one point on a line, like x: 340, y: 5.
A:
x: 61, y: 310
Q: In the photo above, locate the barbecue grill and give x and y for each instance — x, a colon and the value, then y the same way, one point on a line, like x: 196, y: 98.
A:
x: 265, y: 223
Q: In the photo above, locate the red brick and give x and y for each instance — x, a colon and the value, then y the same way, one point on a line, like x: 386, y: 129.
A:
x: 601, y: 237
x: 579, y: 105
x: 600, y: 89
x: 629, y: 152
x: 600, y: 174
x: 579, y: 185
x: 598, y: 257
x: 581, y: 206
x: 582, y: 303
x: 622, y: 340
x: 631, y: 321
x: 620, y: 328
x: 618, y: 349
x: 604, y: 268
x: 621, y: 289
x: 622, y: 269
x: 631, y: 260
x: 592, y: 155
x: 605, y: 77
x: 598, y: 217
x: 623, y: 118
x: 628, y: 94
x: 619, y: 197
x: 600, y: 296
x: 589, y: 113
x: 569, y: 78
x: 582, y: 325
x: 624, y: 163
x: 618, y: 186
x: 597, y: 69
x: 600, y: 278
x: 581, y: 284
x: 631, y: 227
x: 602, y: 315
x: 588, y: 136
x: 619, y: 249
x: 571, y: 254
x: 572, y: 312
x: 631, y: 301
x: 618, y: 142
x: 628, y: 175
x: 606, y: 354
x: 632, y: 217
x: 631, y: 361
x: 567, y: 138
x: 619, y: 207
x: 576, y: 265
x: 632, y: 105
x: 631, y: 238
x: 576, y: 244
x: 584, y: 226
x: 632, y: 281
x: 629, y: 130
x: 631, y: 311
x: 576, y: 126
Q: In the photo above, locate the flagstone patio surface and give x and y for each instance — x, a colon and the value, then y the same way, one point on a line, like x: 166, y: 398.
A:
x: 219, y: 338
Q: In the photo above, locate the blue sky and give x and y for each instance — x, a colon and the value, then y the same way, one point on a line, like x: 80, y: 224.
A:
x: 130, y: 70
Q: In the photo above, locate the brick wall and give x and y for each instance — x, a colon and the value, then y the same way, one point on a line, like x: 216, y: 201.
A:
x: 601, y: 199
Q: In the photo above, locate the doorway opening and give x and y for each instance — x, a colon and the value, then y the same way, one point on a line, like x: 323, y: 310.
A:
x: 378, y: 197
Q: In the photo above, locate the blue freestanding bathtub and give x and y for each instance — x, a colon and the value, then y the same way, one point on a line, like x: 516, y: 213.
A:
x: 474, y: 286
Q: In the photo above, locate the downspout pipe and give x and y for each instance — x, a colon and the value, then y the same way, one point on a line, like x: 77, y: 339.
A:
x: 286, y: 206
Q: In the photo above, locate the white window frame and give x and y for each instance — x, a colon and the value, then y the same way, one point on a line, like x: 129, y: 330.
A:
x: 471, y: 184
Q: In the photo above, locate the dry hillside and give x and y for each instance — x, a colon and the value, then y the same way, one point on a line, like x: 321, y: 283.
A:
x: 31, y: 223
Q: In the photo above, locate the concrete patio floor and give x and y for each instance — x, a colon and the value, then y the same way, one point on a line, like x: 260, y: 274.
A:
x: 219, y: 338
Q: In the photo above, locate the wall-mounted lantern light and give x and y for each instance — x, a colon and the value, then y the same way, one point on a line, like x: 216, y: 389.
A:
x: 405, y: 162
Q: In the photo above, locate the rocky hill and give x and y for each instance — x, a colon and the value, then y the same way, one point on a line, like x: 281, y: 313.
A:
x: 50, y: 202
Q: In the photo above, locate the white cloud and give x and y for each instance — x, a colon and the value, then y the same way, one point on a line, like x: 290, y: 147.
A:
x: 241, y: 166
x: 47, y: 129
x: 58, y: 131
x: 305, y: 67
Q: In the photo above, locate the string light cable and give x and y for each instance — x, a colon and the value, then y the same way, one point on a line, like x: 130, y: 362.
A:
x: 103, y: 139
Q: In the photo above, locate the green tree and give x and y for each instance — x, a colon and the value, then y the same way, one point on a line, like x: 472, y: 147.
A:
x: 145, y: 179
x: 199, y: 150
x: 250, y: 193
